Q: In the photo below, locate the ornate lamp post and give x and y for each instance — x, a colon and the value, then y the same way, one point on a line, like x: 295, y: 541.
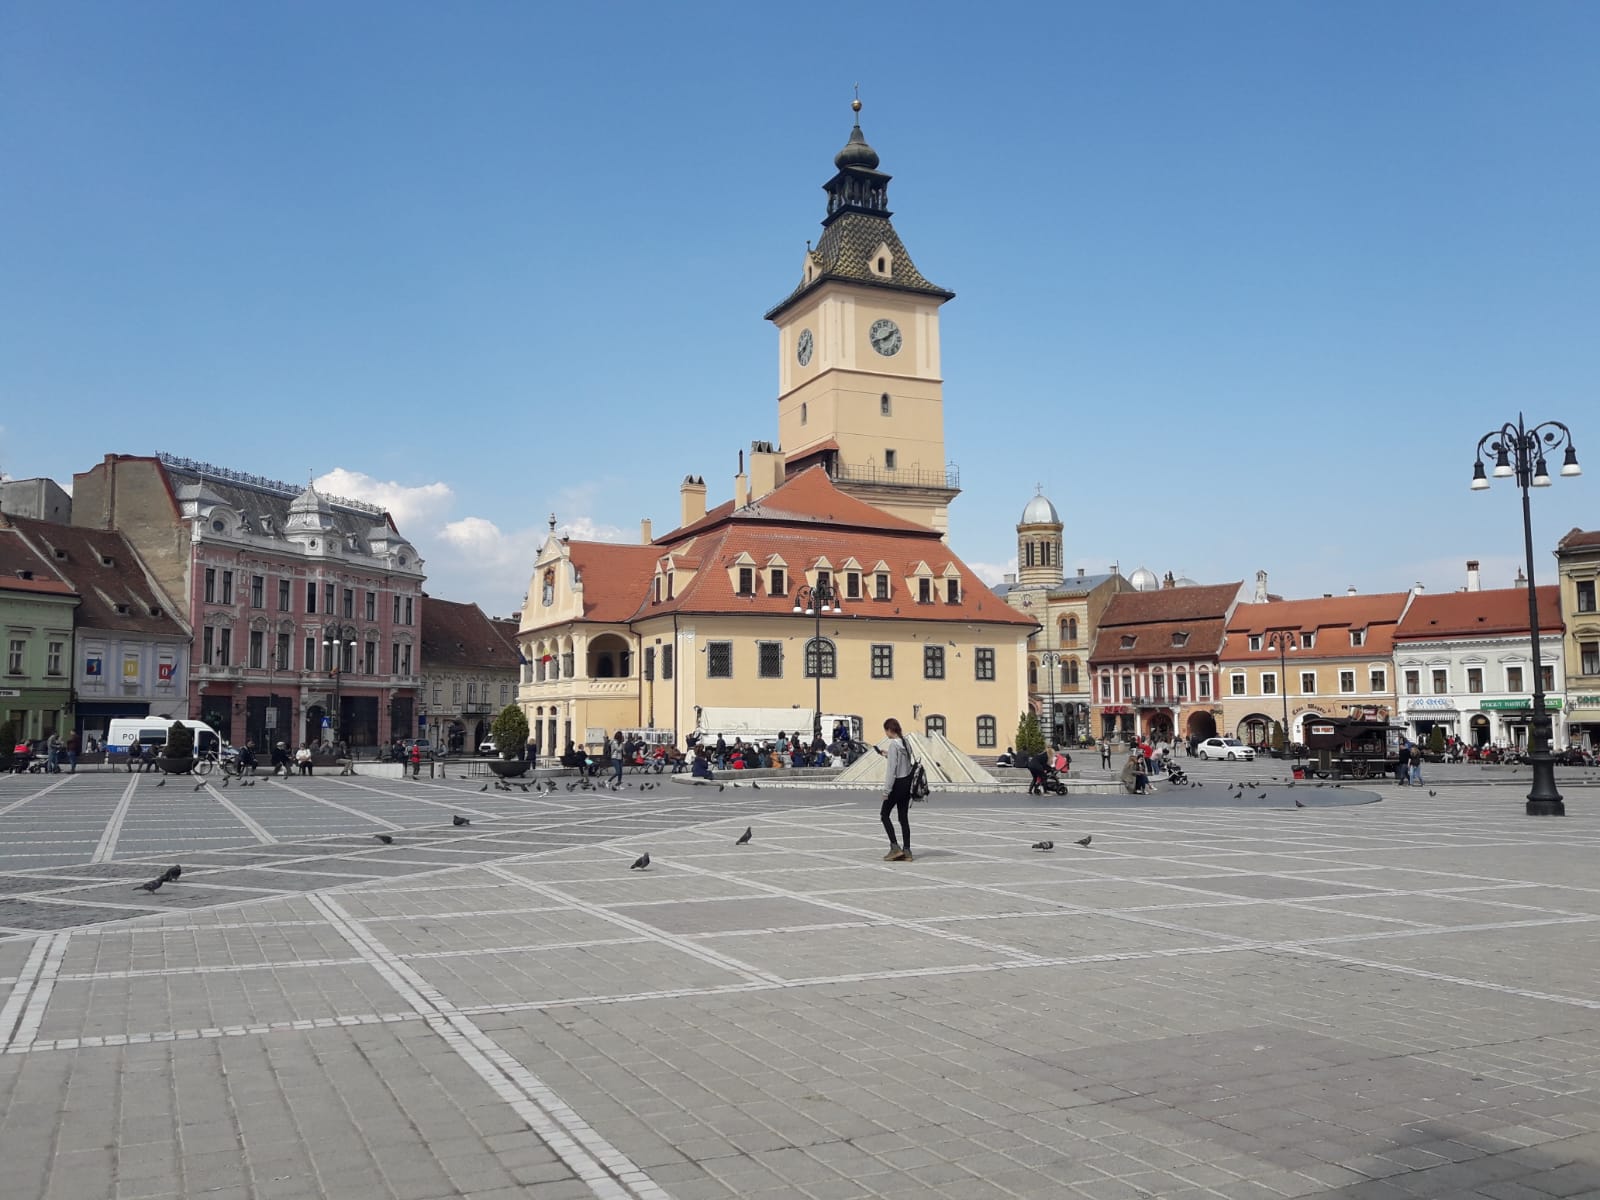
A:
x: 1051, y: 659
x: 1283, y: 641
x: 813, y: 601
x: 1520, y: 451
x: 335, y: 639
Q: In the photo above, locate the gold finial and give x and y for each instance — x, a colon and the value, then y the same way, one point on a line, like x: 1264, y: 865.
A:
x: 855, y: 105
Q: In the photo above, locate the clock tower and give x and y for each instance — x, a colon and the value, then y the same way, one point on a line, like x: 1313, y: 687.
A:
x: 859, y: 386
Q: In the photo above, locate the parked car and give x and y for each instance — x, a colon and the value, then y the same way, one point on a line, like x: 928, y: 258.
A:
x: 1231, y: 749
x: 487, y: 746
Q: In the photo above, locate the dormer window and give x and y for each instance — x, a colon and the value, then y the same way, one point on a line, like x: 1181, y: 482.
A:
x: 852, y: 585
x: 1307, y: 640
x: 747, y: 581
x: 952, y: 591
x: 122, y: 610
x: 779, y: 584
x: 1128, y: 639
x: 924, y: 591
x: 105, y: 560
x: 880, y: 586
x: 1180, y: 639
x: 219, y: 526
x: 1255, y: 641
x: 1358, y: 637
x: 266, y: 524
x: 655, y: 591
x: 61, y: 555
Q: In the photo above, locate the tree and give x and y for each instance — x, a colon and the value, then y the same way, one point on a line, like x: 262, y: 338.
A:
x: 1030, y: 738
x: 510, y: 732
x: 180, y: 741
x: 1436, y: 740
x: 1277, y: 737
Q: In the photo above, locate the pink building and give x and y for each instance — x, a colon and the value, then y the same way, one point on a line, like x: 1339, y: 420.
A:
x: 306, y: 609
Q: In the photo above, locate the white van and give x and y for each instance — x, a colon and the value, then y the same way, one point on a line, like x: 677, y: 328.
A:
x: 130, y: 733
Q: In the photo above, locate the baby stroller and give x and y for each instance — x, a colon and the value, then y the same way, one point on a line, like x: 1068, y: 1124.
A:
x: 1047, y: 780
x: 1176, y: 774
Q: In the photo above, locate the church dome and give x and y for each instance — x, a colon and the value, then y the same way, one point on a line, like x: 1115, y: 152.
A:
x: 1144, y: 580
x: 856, y: 152
x: 309, y: 510
x: 1040, y: 512
x: 1185, y: 581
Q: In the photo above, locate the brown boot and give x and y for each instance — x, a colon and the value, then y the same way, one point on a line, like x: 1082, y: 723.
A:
x: 894, y: 854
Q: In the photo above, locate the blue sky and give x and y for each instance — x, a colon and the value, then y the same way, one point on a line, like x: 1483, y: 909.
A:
x: 1240, y: 284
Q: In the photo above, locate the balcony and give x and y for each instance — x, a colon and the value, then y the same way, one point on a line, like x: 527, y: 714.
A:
x: 945, y: 477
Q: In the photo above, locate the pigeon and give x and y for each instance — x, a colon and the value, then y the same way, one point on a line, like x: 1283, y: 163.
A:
x: 384, y: 838
x: 641, y: 862
x: 1086, y: 839
x: 458, y: 819
x: 721, y: 786
x: 1298, y: 803
x: 484, y: 788
x: 1044, y: 845
x: 172, y: 873
x: 755, y: 785
x: 1431, y: 792
x: 198, y: 786
x: 744, y: 838
x: 1261, y: 795
x: 153, y: 886
x: 523, y: 786
x: 738, y: 785
x: 224, y: 781
x: 161, y: 783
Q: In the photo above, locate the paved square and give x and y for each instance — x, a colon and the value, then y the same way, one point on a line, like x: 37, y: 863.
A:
x: 1384, y: 1000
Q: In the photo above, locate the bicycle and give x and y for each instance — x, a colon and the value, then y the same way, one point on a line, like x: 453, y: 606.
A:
x: 210, y: 761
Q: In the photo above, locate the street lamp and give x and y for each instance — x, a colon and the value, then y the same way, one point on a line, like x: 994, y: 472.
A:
x: 1520, y: 451
x: 335, y: 638
x: 812, y: 601
x: 1051, y: 659
x: 1283, y: 641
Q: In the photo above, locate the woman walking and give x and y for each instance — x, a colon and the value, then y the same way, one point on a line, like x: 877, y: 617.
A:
x: 898, y: 790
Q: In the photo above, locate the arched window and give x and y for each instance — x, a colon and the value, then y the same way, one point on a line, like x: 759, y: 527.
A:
x: 1072, y: 631
x: 821, y: 659
x: 932, y: 724
x: 988, y: 735
x: 1127, y: 686
x: 1033, y: 674
x: 1072, y: 672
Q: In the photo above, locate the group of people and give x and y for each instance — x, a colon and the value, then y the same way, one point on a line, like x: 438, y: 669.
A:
x: 53, y: 748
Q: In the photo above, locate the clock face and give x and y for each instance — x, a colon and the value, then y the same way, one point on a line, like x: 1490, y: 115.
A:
x: 885, y: 337
x: 803, y: 348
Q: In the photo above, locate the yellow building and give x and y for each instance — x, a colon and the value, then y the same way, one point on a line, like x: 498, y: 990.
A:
x: 1578, y: 561
x: 1067, y: 609
x: 641, y: 637
x: 1287, y: 661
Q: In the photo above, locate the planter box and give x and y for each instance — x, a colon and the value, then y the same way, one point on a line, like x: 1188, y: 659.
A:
x: 509, y: 768
x: 175, y: 766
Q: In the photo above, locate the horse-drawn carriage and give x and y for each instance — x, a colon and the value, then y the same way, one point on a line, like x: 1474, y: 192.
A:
x: 1352, y: 748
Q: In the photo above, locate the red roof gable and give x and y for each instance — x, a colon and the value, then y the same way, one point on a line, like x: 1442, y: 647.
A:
x: 808, y: 496
x: 615, y: 576
x: 1330, y: 618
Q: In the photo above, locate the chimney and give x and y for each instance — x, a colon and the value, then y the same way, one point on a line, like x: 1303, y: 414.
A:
x: 741, y: 485
x: 1168, y: 582
x: 644, y: 532
x: 1080, y: 572
x: 1417, y: 588
x: 1351, y: 590
x: 691, y: 499
x: 766, y: 469
x: 1472, y: 575
x: 1261, y: 587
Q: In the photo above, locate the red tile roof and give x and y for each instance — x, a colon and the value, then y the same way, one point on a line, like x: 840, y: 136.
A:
x: 1170, y: 604
x: 803, y: 520
x: 1495, y: 613
x: 1579, y: 539
x: 119, y: 594
x: 22, y: 569
x: 1152, y: 642
x: 1330, y: 618
x: 460, y: 636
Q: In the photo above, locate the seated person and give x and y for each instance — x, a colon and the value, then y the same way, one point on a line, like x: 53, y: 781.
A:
x: 702, y: 765
x: 1009, y: 758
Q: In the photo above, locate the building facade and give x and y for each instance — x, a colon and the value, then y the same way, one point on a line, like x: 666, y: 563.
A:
x: 1464, y: 664
x: 469, y: 673
x: 643, y: 637
x: 852, y: 503
x: 130, y: 654
x: 1156, y: 659
x: 1067, y: 609
x: 1578, y: 564
x: 306, y: 610
x: 36, y: 619
x: 1288, y: 661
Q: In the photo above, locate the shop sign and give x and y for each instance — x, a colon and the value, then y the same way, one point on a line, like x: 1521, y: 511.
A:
x: 1116, y: 709
x: 1439, y: 703
x: 1583, y: 701
x: 9, y: 693
x: 1514, y: 703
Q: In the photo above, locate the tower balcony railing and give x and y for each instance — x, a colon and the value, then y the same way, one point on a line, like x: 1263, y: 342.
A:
x: 948, y: 476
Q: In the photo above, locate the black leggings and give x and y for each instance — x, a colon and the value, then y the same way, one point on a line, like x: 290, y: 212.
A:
x: 899, y: 797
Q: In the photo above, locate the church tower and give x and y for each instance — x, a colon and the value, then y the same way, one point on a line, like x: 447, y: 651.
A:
x: 1039, y: 544
x: 859, y: 386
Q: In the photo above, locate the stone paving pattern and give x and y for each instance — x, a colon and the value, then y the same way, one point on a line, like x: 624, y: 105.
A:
x: 1381, y: 1000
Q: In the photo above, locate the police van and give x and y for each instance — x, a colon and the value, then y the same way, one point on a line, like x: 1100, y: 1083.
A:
x: 127, y: 735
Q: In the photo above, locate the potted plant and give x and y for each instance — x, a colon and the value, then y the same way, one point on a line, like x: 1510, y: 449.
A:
x: 510, y: 733
x: 177, y: 756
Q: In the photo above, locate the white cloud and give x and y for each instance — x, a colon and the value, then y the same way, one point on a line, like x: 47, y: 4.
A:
x: 414, y: 507
x: 993, y: 573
